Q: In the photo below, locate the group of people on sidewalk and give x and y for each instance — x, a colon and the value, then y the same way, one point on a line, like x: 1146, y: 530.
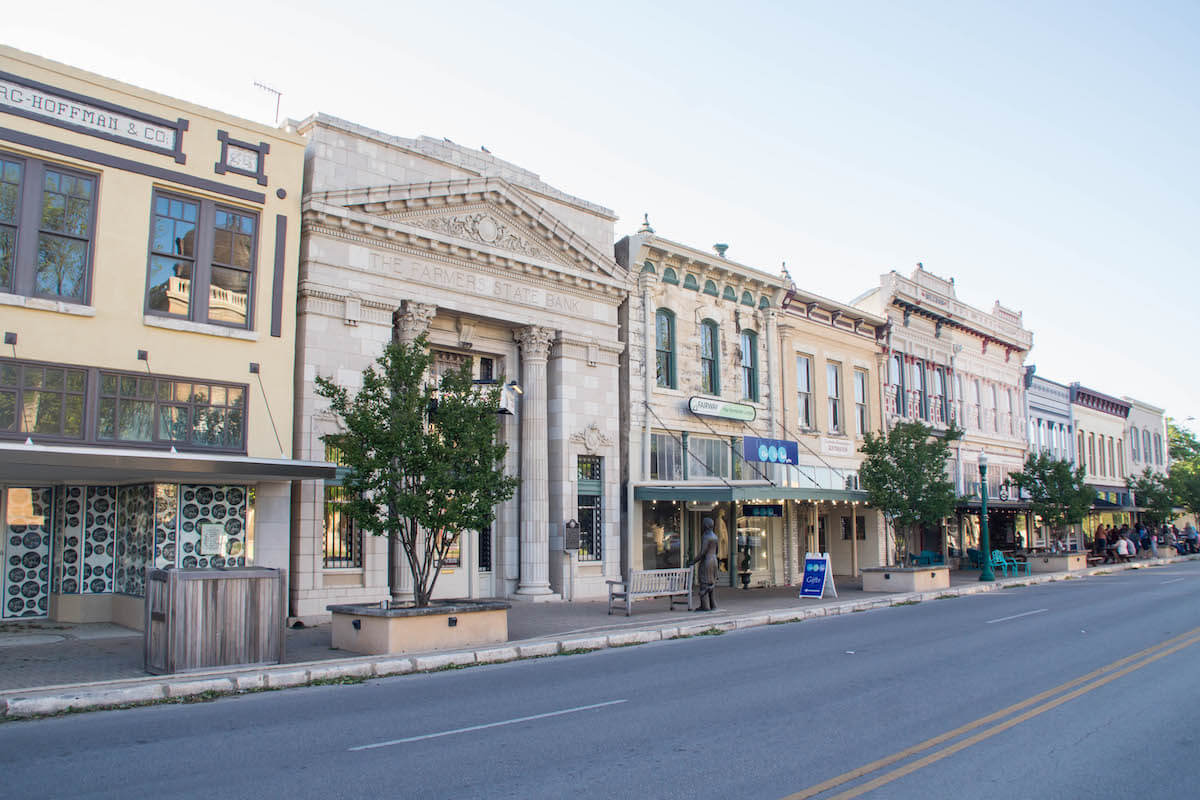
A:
x: 1125, y: 544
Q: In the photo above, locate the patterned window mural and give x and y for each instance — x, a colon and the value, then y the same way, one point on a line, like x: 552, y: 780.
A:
x: 27, y: 526
x: 212, y: 528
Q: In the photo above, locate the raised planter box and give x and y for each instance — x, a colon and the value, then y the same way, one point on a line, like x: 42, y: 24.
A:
x: 371, y: 628
x: 906, y: 579
x: 1067, y: 562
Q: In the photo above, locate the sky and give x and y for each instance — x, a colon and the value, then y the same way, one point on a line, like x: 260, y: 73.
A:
x: 1043, y: 154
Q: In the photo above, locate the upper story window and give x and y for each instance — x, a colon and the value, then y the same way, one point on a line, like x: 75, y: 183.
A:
x: 710, y: 378
x: 920, y: 384
x: 1158, y: 449
x: 1079, y: 451
x: 1146, y: 445
x: 994, y: 409
x: 1133, y: 444
x: 143, y: 408
x: 941, y: 403
x: 896, y: 379
x: 833, y: 388
x: 750, y: 365
x: 47, y: 222
x: 978, y: 406
x: 1008, y: 412
x: 804, y: 391
x: 860, y: 401
x: 708, y: 457
x: 666, y: 457
x: 1092, y: 465
x: 664, y: 348
x: 202, y: 258
x: 1120, y: 459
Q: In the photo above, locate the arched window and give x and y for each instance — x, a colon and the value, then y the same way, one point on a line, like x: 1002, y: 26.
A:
x: 1158, y: 449
x: 750, y: 365
x: 1092, y: 455
x: 995, y: 409
x: 1079, y: 452
x: 710, y: 288
x: 1102, y: 465
x: 1133, y: 445
x: 1120, y: 459
x: 710, y: 378
x: 747, y: 299
x: 1146, y: 445
x: 690, y: 282
x: 670, y: 276
x: 939, y: 395
x: 664, y: 346
x: 1112, y: 461
x: 978, y: 406
x: 1008, y: 412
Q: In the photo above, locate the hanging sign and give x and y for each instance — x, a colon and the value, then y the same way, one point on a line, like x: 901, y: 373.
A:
x: 761, y: 510
x: 772, y: 451
x: 709, y: 407
x: 818, y: 574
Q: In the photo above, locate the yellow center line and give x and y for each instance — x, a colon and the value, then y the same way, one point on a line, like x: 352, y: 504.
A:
x: 875, y: 766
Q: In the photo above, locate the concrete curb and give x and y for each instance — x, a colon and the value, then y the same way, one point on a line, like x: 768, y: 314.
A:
x: 51, y: 700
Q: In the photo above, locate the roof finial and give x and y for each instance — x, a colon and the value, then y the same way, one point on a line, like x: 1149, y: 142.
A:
x: 645, y: 225
x: 720, y: 247
x: 783, y: 272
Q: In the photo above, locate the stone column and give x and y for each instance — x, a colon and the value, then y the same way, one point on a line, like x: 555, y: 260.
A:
x: 408, y: 322
x: 535, y: 483
x: 854, y: 539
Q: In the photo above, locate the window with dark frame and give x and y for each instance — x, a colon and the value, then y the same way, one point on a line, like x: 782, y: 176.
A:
x: 342, y: 542
x: 144, y: 408
x: 42, y: 399
x: 833, y: 388
x: 750, y: 365
x: 202, y: 258
x: 896, y: 378
x: 47, y: 223
x: 804, y: 391
x: 710, y: 379
x: 664, y: 344
x: 589, y: 496
x: 860, y: 400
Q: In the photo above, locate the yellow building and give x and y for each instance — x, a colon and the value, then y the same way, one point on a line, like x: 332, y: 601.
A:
x: 148, y: 269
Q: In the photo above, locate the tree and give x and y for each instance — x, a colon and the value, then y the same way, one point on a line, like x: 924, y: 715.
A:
x: 1153, y: 493
x: 1184, y: 480
x: 424, y: 458
x: 1057, y: 492
x: 904, y: 473
x: 1182, y: 444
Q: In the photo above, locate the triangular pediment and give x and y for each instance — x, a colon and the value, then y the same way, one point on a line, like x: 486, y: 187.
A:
x: 483, y: 213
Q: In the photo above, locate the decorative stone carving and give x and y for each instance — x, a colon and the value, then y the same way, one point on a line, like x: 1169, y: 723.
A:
x: 484, y: 228
x: 466, y: 333
x: 535, y: 342
x: 412, y: 319
x: 592, y: 438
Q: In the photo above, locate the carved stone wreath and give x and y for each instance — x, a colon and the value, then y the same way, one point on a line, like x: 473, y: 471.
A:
x: 592, y: 438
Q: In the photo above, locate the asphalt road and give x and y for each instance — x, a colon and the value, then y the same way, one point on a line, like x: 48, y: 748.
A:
x: 1081, y: 688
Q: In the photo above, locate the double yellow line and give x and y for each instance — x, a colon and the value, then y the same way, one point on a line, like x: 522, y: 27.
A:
x: 1030, y: 707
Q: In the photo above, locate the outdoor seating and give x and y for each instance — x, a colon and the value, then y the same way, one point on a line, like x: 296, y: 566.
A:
x: 975, y: 558
x: 928, y: 557
x: 672, y: 583
x: 1005, y: 563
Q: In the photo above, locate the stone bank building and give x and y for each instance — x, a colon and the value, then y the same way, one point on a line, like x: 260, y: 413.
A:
x: 409, y: 236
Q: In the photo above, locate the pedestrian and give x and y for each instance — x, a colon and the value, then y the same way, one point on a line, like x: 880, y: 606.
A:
x: 706, y: 573
x: 1100, y: 544
x: 1154, y: 541
x: 1122, y: 549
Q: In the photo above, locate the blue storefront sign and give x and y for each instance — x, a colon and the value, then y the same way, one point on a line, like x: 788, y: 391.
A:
x: 772, y: 451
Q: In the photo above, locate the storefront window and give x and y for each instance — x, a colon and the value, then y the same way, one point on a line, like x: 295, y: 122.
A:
x: 662, y: 535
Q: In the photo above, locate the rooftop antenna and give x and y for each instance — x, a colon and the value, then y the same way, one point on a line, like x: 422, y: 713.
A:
x: 278, y: 94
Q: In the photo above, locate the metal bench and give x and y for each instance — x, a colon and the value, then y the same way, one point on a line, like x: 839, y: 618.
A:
x: 672, y: 583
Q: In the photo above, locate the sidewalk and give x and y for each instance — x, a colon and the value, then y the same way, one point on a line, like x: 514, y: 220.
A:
x: 49, y: 668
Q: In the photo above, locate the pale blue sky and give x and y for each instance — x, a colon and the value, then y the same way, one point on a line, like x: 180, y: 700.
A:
x: 1044, y: 154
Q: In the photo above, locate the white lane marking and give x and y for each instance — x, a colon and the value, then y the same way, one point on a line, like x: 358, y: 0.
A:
x: 1015, y: 616
x: 1173, y: 580
x: 488, y: 725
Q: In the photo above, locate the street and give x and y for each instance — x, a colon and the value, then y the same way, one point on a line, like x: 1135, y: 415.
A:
x: 1083, y: 687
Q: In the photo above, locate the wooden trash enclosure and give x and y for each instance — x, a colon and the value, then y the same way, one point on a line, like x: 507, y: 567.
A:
x: 201, y: 618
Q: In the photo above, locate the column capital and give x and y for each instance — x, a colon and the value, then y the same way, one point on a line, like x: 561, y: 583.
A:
x: 535, y: 341
x: 412, y: 319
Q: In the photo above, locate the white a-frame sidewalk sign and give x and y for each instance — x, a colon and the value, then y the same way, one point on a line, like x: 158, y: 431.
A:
x: 818, y: 574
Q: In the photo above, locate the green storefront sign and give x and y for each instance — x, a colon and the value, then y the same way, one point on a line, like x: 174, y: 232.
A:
x: 709, y: 407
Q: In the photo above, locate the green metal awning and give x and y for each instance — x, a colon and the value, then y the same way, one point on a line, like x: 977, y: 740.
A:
x: 747, y: 494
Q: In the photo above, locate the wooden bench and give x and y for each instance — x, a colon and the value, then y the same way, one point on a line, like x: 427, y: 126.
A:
x: 672, y: 583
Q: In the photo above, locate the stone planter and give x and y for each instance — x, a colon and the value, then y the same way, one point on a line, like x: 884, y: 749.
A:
x: 1066, y: 562
x: 906, y: 579
x: 370, y: 628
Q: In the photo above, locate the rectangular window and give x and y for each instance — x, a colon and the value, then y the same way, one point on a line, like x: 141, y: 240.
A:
x: 860, y: 400
x: 922, y: 389
x: 664, y: 352
x: 202, y: 258
x: 804, y: 391
x: 590, y: 477
x: 1120, y: 459
x: 42, y: 399
x: 47, y: 223
x: 896, y: 379
x: 939, y: 410
x: 1112, y: 462
x: 666, y: 457
x: 1103, y: 465
x: 833, y: 387
x: 709, y: 378
x: 750, y: 366
x: 484, y: 543
x: 342, y: 548
x: 1091, y: 439
x: 142, y: 408
x: 708, y: 457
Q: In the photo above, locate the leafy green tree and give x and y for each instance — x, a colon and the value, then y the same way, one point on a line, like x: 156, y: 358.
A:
x: 1182, y: 444
x: 1057, y: 492
x: 1184, y: 480
x: 424, y: 458
x: 904, y: 473
x: 1152, y: 492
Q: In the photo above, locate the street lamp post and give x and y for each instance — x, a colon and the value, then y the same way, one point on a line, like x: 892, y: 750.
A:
x: 985, y: 574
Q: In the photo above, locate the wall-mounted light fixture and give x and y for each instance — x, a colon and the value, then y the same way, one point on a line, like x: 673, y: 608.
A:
x: 10, y: 337
x: 143, y: 355
x: 253, y: 367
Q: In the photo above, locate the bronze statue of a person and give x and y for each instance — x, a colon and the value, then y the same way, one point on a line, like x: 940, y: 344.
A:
x: 707, y: 573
